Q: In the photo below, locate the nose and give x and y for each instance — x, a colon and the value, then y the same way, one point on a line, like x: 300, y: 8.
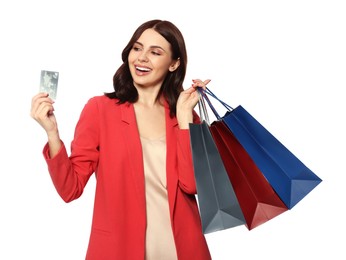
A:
x: 142, y: 57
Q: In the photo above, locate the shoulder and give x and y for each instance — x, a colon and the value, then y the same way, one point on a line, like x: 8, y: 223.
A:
x: 99, y: 105
x: 102, y: 108
x: 101, y: 99
x: 102, y: 102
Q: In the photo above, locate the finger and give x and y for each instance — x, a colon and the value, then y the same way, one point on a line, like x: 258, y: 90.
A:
x: 200, y: 83
x: 206, y: 82
x: 190, y: 90
x: 42, y: 111
x: 41, y: 97
x: 38, y: 99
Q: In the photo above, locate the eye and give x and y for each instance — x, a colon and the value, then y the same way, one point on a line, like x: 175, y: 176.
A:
x: 156, y: 53
x: 136, y: 48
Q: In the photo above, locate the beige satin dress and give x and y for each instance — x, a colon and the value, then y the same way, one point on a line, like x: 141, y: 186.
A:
x: 159, y: 236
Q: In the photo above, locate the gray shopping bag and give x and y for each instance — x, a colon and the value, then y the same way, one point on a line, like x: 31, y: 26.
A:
x: 218, y: 204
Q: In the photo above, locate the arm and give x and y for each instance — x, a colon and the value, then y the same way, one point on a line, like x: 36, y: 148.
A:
x: 70, y: 174
x: 186, y: 115
x: 42, y: 111
x: 184, y: 156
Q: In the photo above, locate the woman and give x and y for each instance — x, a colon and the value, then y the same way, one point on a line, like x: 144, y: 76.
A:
x: 136, y: 141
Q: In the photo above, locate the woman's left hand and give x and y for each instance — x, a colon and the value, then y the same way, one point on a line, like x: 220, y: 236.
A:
x: 187, y: 101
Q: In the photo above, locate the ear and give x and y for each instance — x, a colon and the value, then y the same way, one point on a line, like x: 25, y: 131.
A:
x: 174, y: 65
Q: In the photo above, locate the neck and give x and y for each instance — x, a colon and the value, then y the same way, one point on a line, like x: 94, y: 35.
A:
x: 148, y: 96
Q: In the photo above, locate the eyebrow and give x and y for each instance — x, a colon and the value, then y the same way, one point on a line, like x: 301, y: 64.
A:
x: 152, y: 46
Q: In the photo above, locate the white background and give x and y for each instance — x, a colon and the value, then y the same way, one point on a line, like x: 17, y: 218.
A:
x: 284, y: 61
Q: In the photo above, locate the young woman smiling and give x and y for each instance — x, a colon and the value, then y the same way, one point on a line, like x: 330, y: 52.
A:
x: 136, y: 141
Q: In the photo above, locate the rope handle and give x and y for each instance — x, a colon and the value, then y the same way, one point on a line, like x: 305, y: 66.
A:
x: 201, y: 104
x: 210, y: 93
x: 202, y: 107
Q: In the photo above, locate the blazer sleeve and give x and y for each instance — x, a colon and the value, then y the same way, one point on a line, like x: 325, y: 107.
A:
x: 184, y: 156
x: 71, y: 173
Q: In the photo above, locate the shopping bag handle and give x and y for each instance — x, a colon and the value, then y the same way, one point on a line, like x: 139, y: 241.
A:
x: 210, y: 93
x: 204, y: 95
x: 202, y: 107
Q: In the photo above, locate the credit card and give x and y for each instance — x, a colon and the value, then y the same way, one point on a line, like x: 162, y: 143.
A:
x: 49, y: 83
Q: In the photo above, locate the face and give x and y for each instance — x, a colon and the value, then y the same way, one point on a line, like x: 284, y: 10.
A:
x: 150, y: 59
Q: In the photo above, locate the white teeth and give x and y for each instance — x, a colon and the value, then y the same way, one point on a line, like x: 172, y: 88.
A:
x: 142, y: 69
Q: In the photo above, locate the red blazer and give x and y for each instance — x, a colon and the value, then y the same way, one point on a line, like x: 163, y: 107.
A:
x: 107, y: 142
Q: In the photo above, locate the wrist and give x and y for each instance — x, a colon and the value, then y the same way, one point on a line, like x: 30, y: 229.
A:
x: 53, y: 136
x: 184, y: 120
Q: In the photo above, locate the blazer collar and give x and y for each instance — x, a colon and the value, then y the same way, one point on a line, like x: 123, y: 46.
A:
x: 128, y: 114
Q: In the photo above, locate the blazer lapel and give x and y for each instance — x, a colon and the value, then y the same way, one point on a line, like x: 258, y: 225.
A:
x: 134, y: 149
x: 171, y: 167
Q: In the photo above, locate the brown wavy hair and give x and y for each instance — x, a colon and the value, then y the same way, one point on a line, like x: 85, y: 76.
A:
x: 125, y: 91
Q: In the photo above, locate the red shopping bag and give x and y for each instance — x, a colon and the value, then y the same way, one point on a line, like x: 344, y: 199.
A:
x: 258, y: 200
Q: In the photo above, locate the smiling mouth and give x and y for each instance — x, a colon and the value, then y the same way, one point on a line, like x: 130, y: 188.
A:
x: 142, y: 69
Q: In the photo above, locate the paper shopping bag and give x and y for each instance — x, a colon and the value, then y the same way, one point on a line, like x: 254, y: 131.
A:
x: 257, y: 199
x: 218, y: 205
x: 290, y: 178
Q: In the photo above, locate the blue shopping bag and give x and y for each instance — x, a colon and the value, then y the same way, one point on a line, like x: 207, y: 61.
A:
x: 291, y: 179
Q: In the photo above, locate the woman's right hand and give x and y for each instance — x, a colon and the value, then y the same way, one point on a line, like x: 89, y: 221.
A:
x: 42, y: 111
